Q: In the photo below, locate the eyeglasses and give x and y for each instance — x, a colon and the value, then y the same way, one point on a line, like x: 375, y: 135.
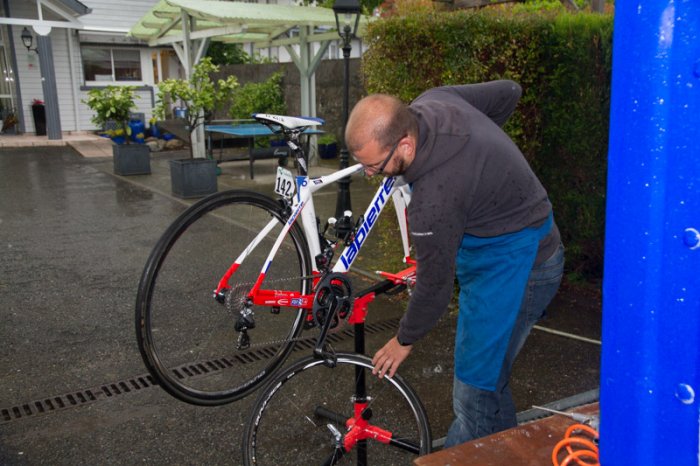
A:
x: 380, y: 166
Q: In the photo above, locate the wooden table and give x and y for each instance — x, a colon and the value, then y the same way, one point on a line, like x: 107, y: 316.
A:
x: 525, y: 445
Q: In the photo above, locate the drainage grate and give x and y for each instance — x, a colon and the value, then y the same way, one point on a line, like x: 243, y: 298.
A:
x: 74, y: 399
x: 141, y: 382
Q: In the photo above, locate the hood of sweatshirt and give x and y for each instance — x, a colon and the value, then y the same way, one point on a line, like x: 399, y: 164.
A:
x: 443, y: 131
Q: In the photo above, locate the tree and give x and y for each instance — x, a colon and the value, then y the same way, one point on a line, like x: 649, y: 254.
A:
x: 199, y: 95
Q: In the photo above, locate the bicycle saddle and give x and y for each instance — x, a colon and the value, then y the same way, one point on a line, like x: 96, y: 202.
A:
x: 289, y: 122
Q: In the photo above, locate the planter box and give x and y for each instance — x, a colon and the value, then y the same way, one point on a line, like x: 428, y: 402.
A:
x: 39, y: 114
x: 193, y: 177
x: 131, y: 159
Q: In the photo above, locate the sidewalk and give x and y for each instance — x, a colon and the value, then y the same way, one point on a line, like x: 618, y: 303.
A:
x: 75, y: 238
x: 87, y: 143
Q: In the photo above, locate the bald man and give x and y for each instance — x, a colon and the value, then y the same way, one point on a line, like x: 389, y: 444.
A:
x: 478, y: 211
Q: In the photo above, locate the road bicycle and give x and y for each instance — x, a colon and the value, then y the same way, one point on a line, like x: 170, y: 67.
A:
x: 231, y: 286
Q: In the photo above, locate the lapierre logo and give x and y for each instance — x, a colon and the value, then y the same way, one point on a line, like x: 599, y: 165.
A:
x: 370, y: 219
x: 293, y: 217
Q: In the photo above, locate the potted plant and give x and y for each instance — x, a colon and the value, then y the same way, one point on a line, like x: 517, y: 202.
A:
x: 112, y: 105
x: 198, y: 97
x: 153, y: 127
x: 327, y: 146
x: 8, y: 121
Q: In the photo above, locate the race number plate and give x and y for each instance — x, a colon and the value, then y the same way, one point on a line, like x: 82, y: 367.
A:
x: 284, y: 184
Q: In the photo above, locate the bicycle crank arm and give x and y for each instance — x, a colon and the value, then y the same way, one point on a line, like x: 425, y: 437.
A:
x: 319, y: 351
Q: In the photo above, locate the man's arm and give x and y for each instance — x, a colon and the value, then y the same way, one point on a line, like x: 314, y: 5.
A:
x: 495, y: 99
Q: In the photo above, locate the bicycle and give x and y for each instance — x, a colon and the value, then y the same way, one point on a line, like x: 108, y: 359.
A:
x: 186, y: 332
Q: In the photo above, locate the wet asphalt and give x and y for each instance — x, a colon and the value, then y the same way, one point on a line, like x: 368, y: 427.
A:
x: 73, y: 390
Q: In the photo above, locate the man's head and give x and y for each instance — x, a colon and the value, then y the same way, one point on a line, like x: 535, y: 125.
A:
x: 382, y: 134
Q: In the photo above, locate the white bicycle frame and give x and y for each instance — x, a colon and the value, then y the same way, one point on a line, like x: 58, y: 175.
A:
x: 303, y: 206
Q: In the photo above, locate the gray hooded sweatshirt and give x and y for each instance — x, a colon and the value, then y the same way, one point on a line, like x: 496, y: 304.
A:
x: 467, y: 177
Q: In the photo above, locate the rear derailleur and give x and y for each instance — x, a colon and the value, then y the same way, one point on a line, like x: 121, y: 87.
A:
x: 238, y: 304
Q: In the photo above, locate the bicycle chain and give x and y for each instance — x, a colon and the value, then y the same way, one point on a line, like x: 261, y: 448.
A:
x: 238, y: 295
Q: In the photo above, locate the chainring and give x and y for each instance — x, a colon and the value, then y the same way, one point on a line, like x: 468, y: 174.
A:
x: 334, y: 288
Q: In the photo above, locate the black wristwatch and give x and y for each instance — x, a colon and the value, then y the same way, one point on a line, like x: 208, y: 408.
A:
x: 402, y: 343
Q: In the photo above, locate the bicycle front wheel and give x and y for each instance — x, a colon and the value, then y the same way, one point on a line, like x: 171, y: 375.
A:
x: 187, y: 338
x: 298, y: 418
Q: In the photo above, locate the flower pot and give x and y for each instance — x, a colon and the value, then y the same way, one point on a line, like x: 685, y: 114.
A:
x: 193, y: 177
x: 39, y: 115
x: 131, y: 159
x: 137, y: 131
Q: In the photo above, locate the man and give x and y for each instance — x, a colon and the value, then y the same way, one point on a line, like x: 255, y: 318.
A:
x: 477, y: 209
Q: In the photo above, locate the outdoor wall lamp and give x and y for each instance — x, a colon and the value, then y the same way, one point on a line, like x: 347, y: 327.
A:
x: 350, y: 10
x: 28, y: 39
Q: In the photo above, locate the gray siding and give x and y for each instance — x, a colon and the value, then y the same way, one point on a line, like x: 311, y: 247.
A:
x: 115, y: 14
x: 74, y: 114
x: 27, y: 71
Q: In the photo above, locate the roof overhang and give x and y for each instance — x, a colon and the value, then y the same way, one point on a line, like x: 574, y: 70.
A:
x: 236, y: 22
x: 52, y: 14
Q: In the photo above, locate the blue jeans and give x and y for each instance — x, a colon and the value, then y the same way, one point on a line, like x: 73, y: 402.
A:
x: 482, y: 412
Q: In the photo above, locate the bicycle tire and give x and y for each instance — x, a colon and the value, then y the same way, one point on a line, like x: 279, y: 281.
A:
x: 286, y: 428
x: 186, y: 338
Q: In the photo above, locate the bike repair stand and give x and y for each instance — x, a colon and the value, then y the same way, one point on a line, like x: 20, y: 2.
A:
x: 359, y: 427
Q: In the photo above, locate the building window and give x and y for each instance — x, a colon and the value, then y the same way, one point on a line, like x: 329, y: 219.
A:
x: 111, y: 64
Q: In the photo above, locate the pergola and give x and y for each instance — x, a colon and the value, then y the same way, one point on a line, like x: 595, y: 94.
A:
x: 189, y: 25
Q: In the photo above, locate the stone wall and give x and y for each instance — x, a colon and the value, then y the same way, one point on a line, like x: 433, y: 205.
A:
x: 329, y: 87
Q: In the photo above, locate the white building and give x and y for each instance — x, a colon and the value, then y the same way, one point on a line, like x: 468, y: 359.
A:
x: 82, y: 45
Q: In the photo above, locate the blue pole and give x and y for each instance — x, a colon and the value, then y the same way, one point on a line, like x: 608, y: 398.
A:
x: 650, y: 373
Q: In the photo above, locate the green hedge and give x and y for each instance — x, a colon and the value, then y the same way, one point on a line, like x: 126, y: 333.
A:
x: 562, y: 61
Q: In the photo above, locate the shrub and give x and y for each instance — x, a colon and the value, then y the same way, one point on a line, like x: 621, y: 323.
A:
x: 263, y: 97
x: 562, y: 61
x: 112, y: 103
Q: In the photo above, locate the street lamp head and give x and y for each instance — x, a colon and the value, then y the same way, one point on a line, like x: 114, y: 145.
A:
x: 351, y: 11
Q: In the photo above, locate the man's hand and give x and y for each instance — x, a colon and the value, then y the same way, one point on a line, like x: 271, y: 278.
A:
x: 388, y: 359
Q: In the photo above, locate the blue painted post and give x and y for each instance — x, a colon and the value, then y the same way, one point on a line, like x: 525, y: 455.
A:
x: 650, y: 374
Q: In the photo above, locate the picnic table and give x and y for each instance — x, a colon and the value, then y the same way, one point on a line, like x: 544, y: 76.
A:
x: 249, y: 131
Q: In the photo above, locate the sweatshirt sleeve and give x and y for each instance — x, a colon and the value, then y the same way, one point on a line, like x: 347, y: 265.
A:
x: 436, y: 233
x: 495, y: 99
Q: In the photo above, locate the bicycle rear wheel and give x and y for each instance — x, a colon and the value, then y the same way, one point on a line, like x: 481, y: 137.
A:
x: 187, y: 338
x: 289, y: 424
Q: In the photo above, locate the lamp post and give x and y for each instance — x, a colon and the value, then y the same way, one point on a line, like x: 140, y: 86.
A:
x: 347, y: 14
